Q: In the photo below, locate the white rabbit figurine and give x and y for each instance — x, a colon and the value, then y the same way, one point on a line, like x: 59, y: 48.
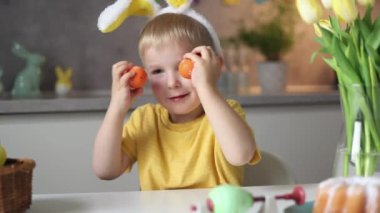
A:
x: 63, y: 85
x: 27, y: 83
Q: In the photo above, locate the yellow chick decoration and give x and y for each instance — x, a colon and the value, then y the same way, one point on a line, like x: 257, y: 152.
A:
x: 63, y: 85
x: 115, y: 14
x: 177, y: 3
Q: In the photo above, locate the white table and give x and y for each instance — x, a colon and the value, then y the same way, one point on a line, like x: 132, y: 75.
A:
x: 147, y: 201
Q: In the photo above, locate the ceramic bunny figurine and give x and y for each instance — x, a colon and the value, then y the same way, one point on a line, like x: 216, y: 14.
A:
x: 1, y: 83
x: 63, y: 84
x: 27, y: 83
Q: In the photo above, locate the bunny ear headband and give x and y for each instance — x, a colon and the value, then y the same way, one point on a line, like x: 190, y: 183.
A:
x: 114, y: 15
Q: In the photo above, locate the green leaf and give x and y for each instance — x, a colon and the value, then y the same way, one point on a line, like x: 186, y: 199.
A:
x: 324, y: 50
x: 335, y: 24
x: 374, y: 37
x: 343, y: 78
x: 313, y: 56
x: 367, y: 18
x: 374, y: 81
x: 352, y: 51
x: 343, y: 62
x: 331, y: 62
x: 371, y: 52
x: 364, y: 67
x: 319, y: 40
x: 338, y: 31
x: 327, y: 37
x: 363, y: 28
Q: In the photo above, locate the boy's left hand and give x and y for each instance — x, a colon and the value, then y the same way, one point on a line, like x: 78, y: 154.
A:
x: 207, y: 66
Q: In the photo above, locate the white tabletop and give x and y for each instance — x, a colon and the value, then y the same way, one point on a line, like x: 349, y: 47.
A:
x: 148, y: 201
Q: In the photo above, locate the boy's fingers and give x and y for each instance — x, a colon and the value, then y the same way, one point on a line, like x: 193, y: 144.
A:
x: 119, y: 68
x: 124, y: 79
x: 119, y: 63
x: 203, y: 51
x: 137, y: 92
x: 191, y: 56
x: 211, y: 51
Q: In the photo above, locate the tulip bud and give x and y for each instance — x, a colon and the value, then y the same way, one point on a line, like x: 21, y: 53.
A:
x: 346, y: 10
x: 326, y: 4
x: 309, y: 10
x: 323, y: 23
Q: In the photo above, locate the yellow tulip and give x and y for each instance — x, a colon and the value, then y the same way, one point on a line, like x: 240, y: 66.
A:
x: 326, y: 4
x: 366, y: 2
x: 323, y: 23
x: 309, y: 10
x: 346, y: 10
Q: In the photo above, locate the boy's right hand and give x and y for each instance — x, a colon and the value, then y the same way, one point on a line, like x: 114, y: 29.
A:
x: 122, y: 94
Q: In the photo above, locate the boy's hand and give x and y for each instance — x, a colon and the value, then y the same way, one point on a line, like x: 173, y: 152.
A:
x: 207, y: 67
x: 122, y: 94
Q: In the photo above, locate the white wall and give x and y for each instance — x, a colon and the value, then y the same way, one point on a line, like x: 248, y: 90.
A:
x: 61, y: 144
x: 305, y: 137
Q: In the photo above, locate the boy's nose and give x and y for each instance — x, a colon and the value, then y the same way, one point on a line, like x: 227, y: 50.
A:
x: 174, y: 80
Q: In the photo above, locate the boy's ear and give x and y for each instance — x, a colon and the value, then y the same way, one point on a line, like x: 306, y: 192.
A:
x: 221, y: 61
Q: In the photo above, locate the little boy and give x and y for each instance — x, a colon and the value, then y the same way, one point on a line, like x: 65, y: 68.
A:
x: 193, y: 137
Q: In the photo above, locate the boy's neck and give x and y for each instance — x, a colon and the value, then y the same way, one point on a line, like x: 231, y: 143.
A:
x: 175, y: 118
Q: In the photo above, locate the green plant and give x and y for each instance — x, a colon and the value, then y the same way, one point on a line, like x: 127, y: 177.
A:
x: 274, y: 36
x: 270, y: 39
x: 351, y: 43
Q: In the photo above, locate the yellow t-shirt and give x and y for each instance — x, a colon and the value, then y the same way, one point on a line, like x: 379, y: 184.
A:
x: 173, y: 156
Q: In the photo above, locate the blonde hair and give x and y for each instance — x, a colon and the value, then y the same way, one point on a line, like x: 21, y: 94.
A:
x: 173, y: 28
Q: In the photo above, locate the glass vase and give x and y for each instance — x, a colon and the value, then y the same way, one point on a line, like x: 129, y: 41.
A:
x: 358, y: 153
x: 346, y: 166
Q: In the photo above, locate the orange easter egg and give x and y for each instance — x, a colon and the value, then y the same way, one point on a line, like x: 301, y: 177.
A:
x: 139, y: 79
x: 185, y: 68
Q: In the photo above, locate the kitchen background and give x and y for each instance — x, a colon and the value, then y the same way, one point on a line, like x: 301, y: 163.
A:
x: 65, y: 32
x: 302, y: 129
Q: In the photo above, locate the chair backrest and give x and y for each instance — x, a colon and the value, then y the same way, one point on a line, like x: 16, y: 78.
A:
x: 271, y: 170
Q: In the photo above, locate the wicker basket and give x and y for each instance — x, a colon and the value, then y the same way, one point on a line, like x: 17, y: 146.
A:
x: 16, y: 185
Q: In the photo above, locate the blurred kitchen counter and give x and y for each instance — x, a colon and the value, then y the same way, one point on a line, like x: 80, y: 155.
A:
x: 92, y: 101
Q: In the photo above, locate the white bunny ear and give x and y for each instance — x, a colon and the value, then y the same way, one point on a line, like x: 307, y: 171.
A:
x: 114, y: 15
x: 184, y: 7
x: 214, y: 36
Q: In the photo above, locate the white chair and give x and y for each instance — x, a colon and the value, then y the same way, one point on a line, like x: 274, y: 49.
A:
x: 271, y: 170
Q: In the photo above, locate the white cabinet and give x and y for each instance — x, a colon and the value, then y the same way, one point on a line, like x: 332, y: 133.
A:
x: 61, y: 144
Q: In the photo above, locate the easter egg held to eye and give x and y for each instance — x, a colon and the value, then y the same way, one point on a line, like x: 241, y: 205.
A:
x: 139, y: 79
x: 185, y: 68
